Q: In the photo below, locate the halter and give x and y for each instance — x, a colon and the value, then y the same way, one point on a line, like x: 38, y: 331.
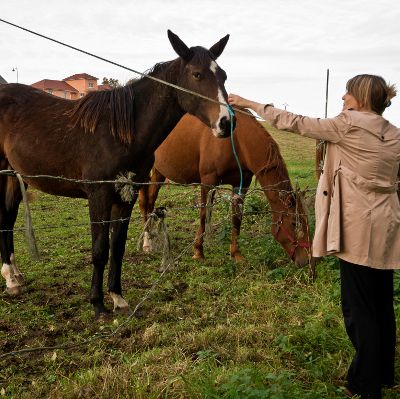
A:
x: 293, y: 242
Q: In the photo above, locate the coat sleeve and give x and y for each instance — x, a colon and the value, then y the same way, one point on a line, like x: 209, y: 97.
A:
x: 330, y: 129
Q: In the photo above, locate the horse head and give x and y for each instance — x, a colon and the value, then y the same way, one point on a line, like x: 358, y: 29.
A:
x: 200, y: 73
x: 290, y: 228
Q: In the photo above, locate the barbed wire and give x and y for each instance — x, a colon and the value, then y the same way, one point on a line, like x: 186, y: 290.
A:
x: 220, y: 198
x: 216, y: 202
x: 72, y: 345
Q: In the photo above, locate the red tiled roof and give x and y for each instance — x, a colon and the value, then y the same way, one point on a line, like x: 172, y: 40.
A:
x: 78, y: 76
x: 48, y: 84
x: 104, y: 87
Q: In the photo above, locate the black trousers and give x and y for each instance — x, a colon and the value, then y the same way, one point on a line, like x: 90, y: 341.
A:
x: 367, y: 305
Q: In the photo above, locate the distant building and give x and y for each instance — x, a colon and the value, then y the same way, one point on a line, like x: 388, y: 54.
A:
x: 104, y: 87
x: 71, y: 88
x: 58, y: 88
x: 82, y: 82
x: 2, y: 81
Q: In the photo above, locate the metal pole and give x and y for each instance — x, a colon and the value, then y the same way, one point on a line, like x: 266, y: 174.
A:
x: 321, y: 145
x: 327, y: 92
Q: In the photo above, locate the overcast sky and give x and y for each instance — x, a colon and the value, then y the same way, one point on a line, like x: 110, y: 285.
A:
x: 279, y: 50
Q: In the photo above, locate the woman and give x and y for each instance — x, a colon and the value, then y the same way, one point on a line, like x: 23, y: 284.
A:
x: 357, y: 218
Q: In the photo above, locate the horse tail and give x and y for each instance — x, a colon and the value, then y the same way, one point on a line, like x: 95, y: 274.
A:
x: 13, y: 194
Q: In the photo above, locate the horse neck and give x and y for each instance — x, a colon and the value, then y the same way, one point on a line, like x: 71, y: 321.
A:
x: 156, y: 106
x: 260, y: 154
x: 275, y: 181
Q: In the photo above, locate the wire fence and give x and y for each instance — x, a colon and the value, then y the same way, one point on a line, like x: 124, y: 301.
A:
x: 225, y: 193
x: 223, y: 196
x: 186, y: 195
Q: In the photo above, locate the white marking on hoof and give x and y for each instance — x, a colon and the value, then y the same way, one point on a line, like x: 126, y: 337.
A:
x: 17, y: 273
x: 119, y: 302
x: 13, y: 291
x: 147, y: 245
x: 13, y: 286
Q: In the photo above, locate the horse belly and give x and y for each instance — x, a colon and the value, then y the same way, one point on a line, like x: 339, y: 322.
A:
x: 27, y: 161
x: 178, y: 170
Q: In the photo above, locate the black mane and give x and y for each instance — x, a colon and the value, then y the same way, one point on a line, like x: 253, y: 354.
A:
x: 117, y: 105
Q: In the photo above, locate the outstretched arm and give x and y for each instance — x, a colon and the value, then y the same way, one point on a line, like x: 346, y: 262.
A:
x: 331, y: 129
x: 241, y: 102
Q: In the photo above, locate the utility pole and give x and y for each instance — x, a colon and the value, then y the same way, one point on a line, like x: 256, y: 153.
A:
x: 326, y: 93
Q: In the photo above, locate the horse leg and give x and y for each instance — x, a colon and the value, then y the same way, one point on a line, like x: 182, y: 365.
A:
x: 10, y: 194
x: 199, y: 239
x: 237, y: 214
x: 13, y: 199
x: 100, y: 212
x: 120, y: 215
x: 147, y: 198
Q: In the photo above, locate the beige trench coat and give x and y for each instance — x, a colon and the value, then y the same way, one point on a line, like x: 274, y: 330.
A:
x: 356, y: 206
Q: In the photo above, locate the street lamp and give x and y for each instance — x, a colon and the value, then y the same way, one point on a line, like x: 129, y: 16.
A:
x: 15, y: 69
x: 285, y: 105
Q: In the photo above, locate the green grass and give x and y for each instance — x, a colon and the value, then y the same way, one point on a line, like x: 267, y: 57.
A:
x: 212, y: 329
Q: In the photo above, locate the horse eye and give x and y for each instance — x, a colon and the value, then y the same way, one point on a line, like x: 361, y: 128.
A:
x: 197, y: 75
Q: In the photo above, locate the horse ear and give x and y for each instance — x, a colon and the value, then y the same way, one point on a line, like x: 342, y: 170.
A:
x: 218, y: 47
x: 180, y: 48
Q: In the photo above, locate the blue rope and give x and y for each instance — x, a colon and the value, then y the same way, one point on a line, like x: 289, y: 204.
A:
x: 232, y: 114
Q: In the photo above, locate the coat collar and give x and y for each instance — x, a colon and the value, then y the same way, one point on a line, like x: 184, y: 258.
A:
x: 370, y: 121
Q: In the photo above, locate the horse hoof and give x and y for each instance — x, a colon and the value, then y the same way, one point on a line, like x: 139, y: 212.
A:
x: 238, y: 258
x: 198, y: 257
x: 104, y: 317
x: 14, y: 291
x: 124, y: 311
x: 101, y: 312
x: 147, y: 249
x: 20, y: 278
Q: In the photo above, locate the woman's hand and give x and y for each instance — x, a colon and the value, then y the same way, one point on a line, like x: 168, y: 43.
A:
x: 237, y: 101
x: 240, y: 102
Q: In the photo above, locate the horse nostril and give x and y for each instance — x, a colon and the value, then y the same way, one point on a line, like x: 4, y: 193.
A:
x: 223, y: 123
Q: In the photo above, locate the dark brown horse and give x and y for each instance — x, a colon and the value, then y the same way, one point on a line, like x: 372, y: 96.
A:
x: 191, y: 155
x: 97, y: 138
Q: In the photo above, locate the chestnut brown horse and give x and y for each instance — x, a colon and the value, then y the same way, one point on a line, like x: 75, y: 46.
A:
x: 191, y: 155
x: 97, y: 138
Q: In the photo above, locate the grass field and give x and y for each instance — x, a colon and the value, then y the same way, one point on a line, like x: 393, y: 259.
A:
x: 212, y: 329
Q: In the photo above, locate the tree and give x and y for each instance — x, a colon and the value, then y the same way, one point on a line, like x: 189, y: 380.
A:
x: 111, y: 82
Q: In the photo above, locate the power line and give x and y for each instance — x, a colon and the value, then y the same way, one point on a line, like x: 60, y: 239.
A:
x: 116, y: 64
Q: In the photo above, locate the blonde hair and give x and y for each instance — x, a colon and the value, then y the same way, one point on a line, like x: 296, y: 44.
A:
x: 372, y: 92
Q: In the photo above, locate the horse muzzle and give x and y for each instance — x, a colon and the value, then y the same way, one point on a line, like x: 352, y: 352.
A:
x: 225, y: 127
